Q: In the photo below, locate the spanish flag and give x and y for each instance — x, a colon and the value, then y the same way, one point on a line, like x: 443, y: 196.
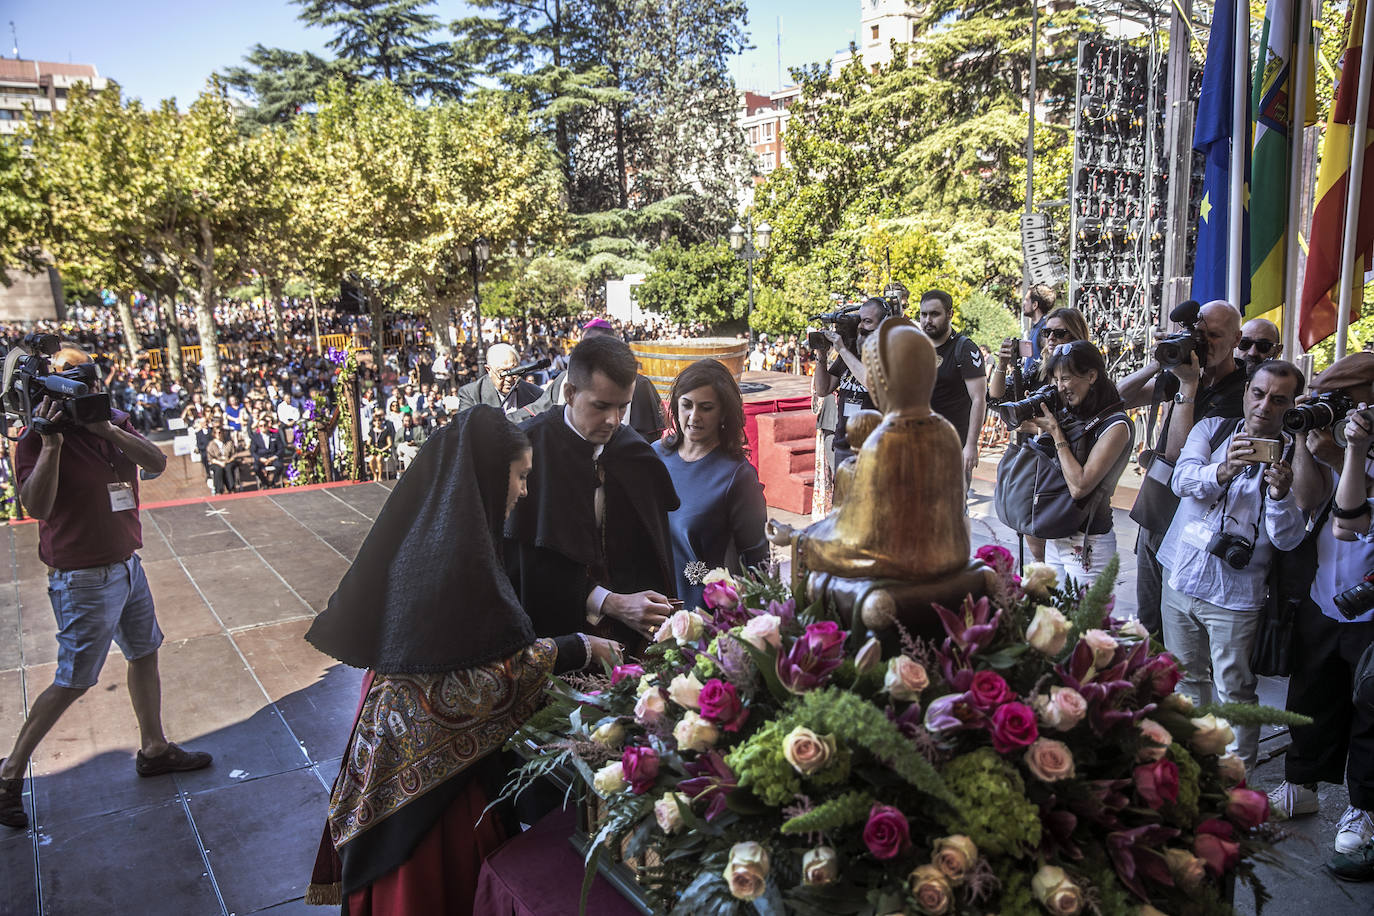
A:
x: 1321, y: 285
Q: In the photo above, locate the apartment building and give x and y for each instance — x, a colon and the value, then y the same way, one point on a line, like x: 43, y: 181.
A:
x: 41, y: 86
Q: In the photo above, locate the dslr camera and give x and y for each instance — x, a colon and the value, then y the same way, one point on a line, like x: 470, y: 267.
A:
x: 1357, y: 599
x: 1232, y: 549
x: 29, y: 378
x: 1327, y: 410
x: 1173, y: 350
x: 845, y: 320
x: 1014, y: 413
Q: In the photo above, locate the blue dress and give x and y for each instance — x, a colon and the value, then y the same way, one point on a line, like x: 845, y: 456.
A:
x: 720, y: 522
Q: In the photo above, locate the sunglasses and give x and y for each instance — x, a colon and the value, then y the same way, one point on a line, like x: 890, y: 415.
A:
x: 1057, y: 333
x: 1264, y: 346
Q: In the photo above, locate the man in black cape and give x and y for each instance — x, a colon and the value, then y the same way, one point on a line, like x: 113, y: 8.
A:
x: 591, y: 545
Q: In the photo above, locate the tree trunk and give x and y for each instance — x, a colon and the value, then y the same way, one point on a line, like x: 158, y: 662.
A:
x: 273, y: 305
x: 439, y: 323
x: 374, y: 302
x: 172, y: 334
x: 205, y: 310
x: 622, y: 178
x: 126, y: 321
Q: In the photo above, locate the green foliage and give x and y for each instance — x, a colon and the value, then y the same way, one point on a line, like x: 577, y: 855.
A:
x: 279, y: 83
x: 1185, y: 809
x: 704, y: 282
x: 992, y: 806
x: 1247, y: 714
x: 842, y: 811
x: 1093, y: 606
x: 388, y: 40
x: 987, y: 321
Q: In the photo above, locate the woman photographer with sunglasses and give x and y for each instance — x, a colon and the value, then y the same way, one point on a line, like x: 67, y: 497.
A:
x: 1092, y: 440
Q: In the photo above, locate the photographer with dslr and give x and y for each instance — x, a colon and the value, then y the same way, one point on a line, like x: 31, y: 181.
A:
x: 846, y: 377
x: 1334, y: 624
x: 1234, y: 482
x: 1196, y: 373
x: 81, y: 482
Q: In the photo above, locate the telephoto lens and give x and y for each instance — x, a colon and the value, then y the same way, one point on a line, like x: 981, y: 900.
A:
x: 1014, y: 413
x: 1357, y: 599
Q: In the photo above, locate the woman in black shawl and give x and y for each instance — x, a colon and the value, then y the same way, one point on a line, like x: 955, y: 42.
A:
x: 454, y: 669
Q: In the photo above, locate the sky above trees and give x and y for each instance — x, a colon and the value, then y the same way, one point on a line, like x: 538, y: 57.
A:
x: 162, y: 48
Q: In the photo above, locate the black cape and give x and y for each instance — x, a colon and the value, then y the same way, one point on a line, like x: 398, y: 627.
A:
x: 427, y: 591
x: 554, y: 550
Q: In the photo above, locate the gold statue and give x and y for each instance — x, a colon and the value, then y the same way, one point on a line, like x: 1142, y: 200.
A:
x: 897, y: 538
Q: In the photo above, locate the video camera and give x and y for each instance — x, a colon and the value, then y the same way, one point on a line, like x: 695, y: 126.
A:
x: 29, y: 378
x: 1014, y: 413
x: 1174, y: 350
x: 845, y: 320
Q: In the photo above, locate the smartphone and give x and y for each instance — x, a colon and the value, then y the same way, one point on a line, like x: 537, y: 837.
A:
x: 1027, y: 349
x: 1265, y: 451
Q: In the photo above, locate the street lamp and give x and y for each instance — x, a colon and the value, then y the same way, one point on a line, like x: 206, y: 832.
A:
x: 477, y: 257
x: 749, y: 244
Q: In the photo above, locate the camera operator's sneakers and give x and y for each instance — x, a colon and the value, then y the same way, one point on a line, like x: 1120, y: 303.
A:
x: 1354, y: 866
x: 1293, y: 799
x: 1355, y: 829
x: 12, y: 802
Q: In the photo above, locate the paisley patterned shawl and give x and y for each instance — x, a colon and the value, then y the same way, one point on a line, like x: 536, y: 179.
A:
x: 416, y: 731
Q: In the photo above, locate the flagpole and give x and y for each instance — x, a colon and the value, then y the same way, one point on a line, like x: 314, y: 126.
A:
x: 1296, y: 134
x: 1352, y: 188
x: 1240, y: 130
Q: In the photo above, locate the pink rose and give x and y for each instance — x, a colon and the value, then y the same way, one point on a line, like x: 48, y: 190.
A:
x: 1213, y: 844
x: 621, y: 672
x: 989, y: 690
x: 1049, y: 760
x: 1155, y: 740
x: 905, y: 679
x: 747, y: 870
x: 639, y: 765
x: 887, y: 833
x: 720, y: 596
x: 720, y: 702
x: 1013, y: 726
x: 1103, y: 645
x: 1163, y: 674
x: 1062, y: 709
x: 931, y: 889
x: 999, y: 558
x: 762, y: 632
x: 1157, y: 783
x: 1247, y: 808
x: 807, y: 751
x: 955, y: 856
x: 650, y: 708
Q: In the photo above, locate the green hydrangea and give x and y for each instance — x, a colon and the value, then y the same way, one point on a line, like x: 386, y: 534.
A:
x: 993, y: 809
x: 1184, y: 812
x: 1017, y: 898
x: 705, y: 668
x: 673, y: 657
x: 760, y: 765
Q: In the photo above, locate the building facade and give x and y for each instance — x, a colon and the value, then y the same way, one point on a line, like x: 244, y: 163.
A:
x: 41, y: 86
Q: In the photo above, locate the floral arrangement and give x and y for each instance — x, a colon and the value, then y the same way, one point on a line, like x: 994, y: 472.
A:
x: 1035, y: 760
x: 306, y: 465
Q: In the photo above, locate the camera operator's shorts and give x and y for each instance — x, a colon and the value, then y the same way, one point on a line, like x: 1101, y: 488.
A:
x: 95, y: 606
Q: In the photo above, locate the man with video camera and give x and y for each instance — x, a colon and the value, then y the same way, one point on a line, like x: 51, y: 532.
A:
x: 1234, y: 481
x: 1196, y: 373
x: 1334, y: 624
x: 81, y: 482
x: 846, y: 377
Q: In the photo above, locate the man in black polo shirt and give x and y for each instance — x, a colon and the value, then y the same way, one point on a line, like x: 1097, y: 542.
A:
x: 961, y: 380
x: 1192, y: 393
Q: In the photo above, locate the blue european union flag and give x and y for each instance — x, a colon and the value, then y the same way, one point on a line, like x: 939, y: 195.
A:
x: 1212, y: 136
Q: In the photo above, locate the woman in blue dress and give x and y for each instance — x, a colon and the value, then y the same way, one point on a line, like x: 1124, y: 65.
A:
x: 723, y: 513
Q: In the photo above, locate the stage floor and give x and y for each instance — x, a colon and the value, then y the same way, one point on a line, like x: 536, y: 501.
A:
x: 237, y: 581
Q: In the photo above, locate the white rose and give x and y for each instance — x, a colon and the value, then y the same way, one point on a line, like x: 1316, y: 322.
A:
x: 1212, y: 735
x: 695, y: 733
x: 747, y: 871
x: 1178, y: 702
x: 667, y: 812
x: 685, y: 691
x: 1061, y: 709
x: 1134, y: 627
x: 609, y: 779
x: 1037, y: 580
x: 611, y: 734
x: 762, y: 632
x: 905, y: 679
x: 650, y: 708
x: 820, y: 866
x: 1048, y: 631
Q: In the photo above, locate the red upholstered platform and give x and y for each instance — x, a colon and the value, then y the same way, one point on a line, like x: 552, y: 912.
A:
x: 786, y: 457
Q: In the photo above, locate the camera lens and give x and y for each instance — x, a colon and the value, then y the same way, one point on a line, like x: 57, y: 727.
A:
x: 1356, y: 600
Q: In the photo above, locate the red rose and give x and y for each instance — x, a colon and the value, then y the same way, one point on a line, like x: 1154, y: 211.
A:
x: 989, y: 690
x: 720, y: 703
x: 1157, y: 783
x: 1013, y: 726
x: 639, y: 766
x: 1164, y: 674
x: 1214, y: 846
x: 1247, y: 808
x: 887, y: 833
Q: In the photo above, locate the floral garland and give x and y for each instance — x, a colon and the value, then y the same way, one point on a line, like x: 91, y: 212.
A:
x: 306, y: 466
x: 9, y: 501
x: 1037, y: 759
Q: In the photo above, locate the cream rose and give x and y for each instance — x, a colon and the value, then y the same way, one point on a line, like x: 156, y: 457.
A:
x: 719, y: 574
x: 667, y: 812
x: 807, y: 751
x: 1103, y: 645
x: 650, y: 708
x: 611, y: 734
x: 1231, y: 769
x: 955, y: 857
x: 685, y: 691
x: 1156, y: 743
x: 762, y: 632
x: 905, y: 679
x: 747, y: 870
x: 869, y: 657
x: 820, y: 866
x: 609, y: 779
x: 1188, y: 870
x: 1049, y: 760
x: 1212, y: 735
x: 646, y: 683
x: 685, y: 627
x: 694, y: 733
x: 1178, y: 702
x: 931, y: 889
x: 1056, y: 891
x: 1037, y: 579
x: 1048, y: 631
x: 1061, y: 709
x: 1134, y: 627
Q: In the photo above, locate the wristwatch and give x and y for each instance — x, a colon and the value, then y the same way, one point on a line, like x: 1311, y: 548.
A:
x: 1184, y: 399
